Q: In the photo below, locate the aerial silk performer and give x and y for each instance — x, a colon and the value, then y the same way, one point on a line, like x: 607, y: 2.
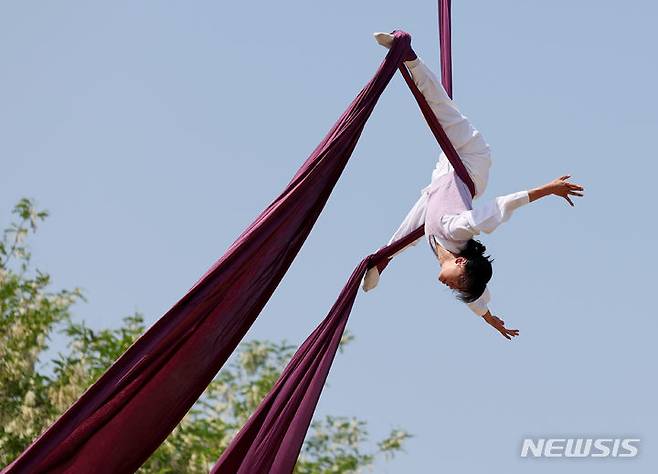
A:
x: 445, y: 206
x: 272, y: 438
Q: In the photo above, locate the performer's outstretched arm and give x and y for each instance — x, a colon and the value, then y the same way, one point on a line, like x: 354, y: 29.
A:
x: 488, y: 216
x: 558, y: 187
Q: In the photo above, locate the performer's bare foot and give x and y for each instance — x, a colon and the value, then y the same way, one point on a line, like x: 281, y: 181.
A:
x: 387, y: 39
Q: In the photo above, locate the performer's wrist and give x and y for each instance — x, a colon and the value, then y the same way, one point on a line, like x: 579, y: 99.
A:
x: 539, y: 192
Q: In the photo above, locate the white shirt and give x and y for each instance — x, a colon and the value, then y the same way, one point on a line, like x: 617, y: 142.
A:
x: 464, y: 226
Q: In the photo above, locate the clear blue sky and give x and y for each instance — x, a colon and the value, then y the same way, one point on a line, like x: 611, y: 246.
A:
x: 155, y: 132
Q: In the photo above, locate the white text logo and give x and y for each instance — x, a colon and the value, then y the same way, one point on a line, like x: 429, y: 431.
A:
x: 580, y: 447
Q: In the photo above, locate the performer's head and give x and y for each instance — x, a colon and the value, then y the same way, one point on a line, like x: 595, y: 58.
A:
x: 469, y: 272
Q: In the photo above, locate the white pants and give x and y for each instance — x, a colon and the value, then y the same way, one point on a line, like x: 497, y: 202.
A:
x: 468, y: 142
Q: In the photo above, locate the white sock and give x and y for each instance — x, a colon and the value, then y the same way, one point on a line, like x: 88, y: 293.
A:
x: 385, y: 39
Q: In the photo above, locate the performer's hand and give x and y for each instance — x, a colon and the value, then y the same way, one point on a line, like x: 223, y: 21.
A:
x: 561, y: 187
x: 499, y: 325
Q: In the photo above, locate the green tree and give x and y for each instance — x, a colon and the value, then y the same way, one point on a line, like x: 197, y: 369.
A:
x: 33, y: 393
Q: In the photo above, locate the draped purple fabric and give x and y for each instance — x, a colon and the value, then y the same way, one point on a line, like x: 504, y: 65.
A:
x: 272, y: 438
x: 121, y: 419
x: 445, y: 44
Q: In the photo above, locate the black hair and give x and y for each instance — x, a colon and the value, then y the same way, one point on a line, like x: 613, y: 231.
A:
x: 477, y: 271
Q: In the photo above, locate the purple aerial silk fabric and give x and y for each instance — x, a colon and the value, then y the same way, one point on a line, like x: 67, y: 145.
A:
x: 445, y: 45
x: 121, y: 419
x: 272, y: 438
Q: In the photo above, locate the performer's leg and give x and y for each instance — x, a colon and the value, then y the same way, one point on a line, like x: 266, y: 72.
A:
x: 461, y: 132
x: 467, y: 140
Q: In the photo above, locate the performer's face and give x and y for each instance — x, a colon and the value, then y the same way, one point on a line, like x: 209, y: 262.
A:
x: 452, y: 273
